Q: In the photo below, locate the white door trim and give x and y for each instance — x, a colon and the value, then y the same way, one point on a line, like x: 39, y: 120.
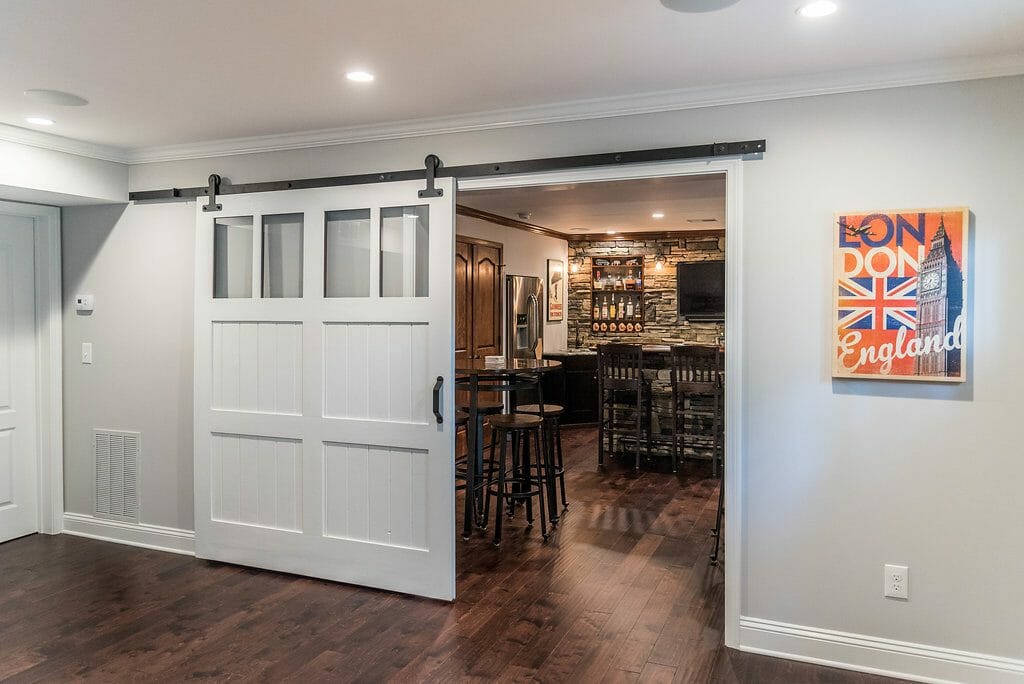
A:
x: 49, y: 399
x: 734, y: 448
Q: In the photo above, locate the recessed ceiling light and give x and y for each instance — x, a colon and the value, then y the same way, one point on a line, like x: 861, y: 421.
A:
x: 56, y: 97
x: 611, y: 232
x: 359, y: 76
x: 697, y: 6
x: 658, y: 215
x: 39, y: 120
x: 817, y: 9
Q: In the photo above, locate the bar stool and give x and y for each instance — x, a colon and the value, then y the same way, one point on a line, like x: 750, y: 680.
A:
x: 621, y: 387
x: 552, y: 415
x: 485, y: 409
x: 696, y: 373
x: 525, y: 478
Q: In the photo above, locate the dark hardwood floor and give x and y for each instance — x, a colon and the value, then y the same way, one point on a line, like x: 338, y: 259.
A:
x: 622, y: 592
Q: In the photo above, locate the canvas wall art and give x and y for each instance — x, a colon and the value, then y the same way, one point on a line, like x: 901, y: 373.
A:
x: 899, y: 294
x: 556, y: 290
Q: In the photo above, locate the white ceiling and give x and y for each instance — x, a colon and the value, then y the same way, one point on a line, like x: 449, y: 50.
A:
x: 622, y: 206
x: 164, y: 73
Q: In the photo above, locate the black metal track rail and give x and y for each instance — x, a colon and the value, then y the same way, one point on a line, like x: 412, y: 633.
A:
x: 726, y: 149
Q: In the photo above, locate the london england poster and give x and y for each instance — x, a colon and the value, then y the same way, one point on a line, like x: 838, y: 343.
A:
x: 899, y: 294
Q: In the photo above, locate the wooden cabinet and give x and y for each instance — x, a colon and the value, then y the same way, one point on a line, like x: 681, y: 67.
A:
x: 574, y: 387
x: 477, y: 298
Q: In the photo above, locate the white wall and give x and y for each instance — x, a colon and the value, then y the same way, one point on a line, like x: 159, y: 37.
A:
x: 524, y: 254
x: 33, y: 174
x: 137, y: 261
x: 840, y: 476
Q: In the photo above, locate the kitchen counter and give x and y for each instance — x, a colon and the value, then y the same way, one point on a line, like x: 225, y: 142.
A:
x: 648, y: 348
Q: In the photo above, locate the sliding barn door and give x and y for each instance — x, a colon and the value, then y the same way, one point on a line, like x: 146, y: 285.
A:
x: 324, y: 322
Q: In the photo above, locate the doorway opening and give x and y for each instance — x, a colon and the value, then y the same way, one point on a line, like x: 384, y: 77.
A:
x: 631, y: 243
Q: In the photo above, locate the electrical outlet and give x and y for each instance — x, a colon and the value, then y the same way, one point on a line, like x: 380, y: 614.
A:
x: 897, y: 581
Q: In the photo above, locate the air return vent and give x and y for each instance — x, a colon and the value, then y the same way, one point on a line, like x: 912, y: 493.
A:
x: 117, y: 474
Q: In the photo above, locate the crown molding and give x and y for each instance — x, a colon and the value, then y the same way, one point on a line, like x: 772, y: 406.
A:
x: 58, y: 143
x: 943, y: 71
x: 808, y: 85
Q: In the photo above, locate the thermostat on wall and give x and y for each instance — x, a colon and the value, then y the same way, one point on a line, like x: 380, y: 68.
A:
x: 83, y: 302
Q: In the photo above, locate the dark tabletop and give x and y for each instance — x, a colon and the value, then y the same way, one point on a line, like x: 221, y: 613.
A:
x: 511, y: 367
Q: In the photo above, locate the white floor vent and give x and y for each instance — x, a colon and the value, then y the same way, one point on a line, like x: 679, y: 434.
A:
x: 117, y: 474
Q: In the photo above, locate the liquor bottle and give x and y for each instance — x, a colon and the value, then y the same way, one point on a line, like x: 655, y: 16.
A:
x: 604, y: 308
x: 629, y: 310
x: 611, y: 309
x: 597, y: 310
x: 622, y: 307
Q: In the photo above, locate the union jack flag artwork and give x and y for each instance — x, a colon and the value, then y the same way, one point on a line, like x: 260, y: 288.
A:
x: 877, y: 303
x: 898, y: 294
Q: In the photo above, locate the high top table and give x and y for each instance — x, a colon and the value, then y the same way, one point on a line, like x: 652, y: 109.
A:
x: 468, y: 373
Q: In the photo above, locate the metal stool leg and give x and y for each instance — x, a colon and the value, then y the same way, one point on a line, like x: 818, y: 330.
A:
x: 499, y: 491
x: 541, y: 481
x: 717, y: 532
x: 560, y: 464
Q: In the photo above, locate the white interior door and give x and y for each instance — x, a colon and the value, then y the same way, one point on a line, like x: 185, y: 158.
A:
x: 19, y: 484
x: 323, y: 320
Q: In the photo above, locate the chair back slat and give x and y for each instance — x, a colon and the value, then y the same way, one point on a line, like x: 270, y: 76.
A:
x: 696, y: 365
x: 620, y: 364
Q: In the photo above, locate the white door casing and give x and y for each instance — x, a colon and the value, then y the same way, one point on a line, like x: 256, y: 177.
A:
x: 316, y: 448
x: 19, y: 473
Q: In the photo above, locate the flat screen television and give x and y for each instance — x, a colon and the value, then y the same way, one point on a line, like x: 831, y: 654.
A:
x: 700, y: 290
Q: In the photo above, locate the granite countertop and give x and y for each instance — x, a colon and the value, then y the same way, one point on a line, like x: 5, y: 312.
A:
x: 649, y: 348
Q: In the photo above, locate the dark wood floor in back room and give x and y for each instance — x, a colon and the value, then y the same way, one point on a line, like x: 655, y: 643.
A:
x: 622, y: 592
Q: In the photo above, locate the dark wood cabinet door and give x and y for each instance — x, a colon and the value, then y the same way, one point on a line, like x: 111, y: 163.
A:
x: 477, y: 298
x: 486, y: 300
x: 463, y: 299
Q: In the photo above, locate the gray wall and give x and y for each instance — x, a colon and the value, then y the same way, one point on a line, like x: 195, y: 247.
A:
x: 840, y: 476
x: 137, y: 261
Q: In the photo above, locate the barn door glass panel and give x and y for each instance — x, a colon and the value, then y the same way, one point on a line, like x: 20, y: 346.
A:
x: 282, y: 255
x: 232, y: 257
x: 404, y: 251
x: 347, y: 253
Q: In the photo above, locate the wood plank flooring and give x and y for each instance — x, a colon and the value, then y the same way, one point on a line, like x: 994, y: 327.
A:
x: 623, y: 592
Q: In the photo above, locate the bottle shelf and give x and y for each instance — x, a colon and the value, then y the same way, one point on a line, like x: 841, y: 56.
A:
x: 616, y: 295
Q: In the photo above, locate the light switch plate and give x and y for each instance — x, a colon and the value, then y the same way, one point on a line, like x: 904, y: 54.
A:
x: 84, y: 303
x: 87, y: 352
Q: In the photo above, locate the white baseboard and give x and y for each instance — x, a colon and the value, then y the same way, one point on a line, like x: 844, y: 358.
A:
x: 887, y: 657
x: 134, y: 534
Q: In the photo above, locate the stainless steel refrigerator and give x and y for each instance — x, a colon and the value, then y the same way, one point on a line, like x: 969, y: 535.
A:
x: 524, y: 317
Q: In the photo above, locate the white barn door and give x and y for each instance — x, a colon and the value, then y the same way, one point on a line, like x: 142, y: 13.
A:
x: 323, y: 320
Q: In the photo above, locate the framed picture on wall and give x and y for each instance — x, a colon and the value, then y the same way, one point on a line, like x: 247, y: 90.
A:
x: 556, y: 290
x: 899, y: 294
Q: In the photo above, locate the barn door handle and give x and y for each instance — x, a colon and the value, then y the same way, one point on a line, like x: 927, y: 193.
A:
x: 437, y: 399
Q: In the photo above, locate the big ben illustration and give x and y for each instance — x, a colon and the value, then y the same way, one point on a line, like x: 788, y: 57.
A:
x: 940, y: 299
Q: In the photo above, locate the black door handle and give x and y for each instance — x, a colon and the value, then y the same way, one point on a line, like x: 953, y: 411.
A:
x: 437, y: 399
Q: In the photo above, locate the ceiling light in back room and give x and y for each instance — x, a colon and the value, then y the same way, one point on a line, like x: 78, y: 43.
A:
x: 57, y: 98
x: 658, y: 215
x: 359, y: 76
x: 611, y: 232
x: 817, y: 9
x: 39, y: 121
x: 697, y: 6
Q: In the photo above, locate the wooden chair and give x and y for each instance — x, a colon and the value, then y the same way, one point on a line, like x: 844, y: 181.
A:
x: 621, y: 387
x: 696, y: 373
